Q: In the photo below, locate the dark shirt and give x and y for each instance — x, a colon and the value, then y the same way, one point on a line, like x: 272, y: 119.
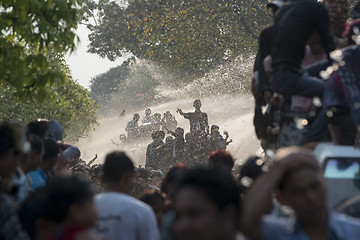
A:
x: 154, y: 154
x: 293, y: 26
x: 198, y: 121
x: 343, y: 85
x: 266, y: 42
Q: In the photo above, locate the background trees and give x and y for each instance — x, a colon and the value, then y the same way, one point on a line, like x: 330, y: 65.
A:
x: 29, y: 30
x: 187, y: 37
x: 35, y: 81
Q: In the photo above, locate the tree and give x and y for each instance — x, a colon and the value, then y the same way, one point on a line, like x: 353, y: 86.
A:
x: 105, y: 84
x: 189, y: 37
x: 28, y: 29
x: 130, y: 85
x: 69, y: 103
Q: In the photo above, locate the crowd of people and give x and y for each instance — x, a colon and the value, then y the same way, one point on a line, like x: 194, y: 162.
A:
x: 294, y: 65
x: 48, y: 192
x: 208, y: 202
x: 191, y: 148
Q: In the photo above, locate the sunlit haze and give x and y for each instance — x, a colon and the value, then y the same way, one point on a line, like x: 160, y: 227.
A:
x: 84, y: 65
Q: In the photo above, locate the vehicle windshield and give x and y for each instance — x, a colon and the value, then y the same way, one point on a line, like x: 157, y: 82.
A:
x: 343, y: 179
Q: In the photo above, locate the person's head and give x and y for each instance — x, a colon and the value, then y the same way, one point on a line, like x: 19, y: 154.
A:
x: 214, y: 129
x: 36, y: 154
x: 250, y: 171
x: 168, y: 114
x: 207, y: 205
x: 157, y: 117
x: 221, y: 159
x: 136, y: 117
x: 174, y: 173
x: 158, y: 135
x: 32, y: 215
x: 179, y: 132
x: 72, y: 155
x: 11, y: 148
x: 302, y: 188
x: 38, y: 127
x: 55, y: 130
x: 148, y: 112
x: 157, y: 203
x: 71, y: 201
x: 50, y: 157
x: 197, y: 104
x: 118, y: 171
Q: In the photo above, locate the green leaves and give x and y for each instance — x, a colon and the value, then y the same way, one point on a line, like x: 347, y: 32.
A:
x: 187, y: 37
x: 69, y: 103
x: 28, y: 29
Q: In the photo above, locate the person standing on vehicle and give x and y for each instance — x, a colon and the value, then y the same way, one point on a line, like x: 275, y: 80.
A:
x: 198, y: 119
x: 148, y: 118
x: 294, y: 24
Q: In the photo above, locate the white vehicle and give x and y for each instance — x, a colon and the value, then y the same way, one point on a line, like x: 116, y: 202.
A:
x: 341, y: 166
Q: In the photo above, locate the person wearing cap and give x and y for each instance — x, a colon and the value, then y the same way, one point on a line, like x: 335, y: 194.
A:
x: 10, y: 152
x: 294, y: 24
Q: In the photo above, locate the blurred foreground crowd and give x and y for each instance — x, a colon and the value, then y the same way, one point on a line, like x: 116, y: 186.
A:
x: 48, y: 193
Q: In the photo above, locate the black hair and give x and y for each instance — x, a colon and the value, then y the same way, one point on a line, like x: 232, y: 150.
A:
x: 52, y: 149
x: 32, y: 209
x: 7, y: 137
x: 152, y: 197
x: 116, y: 165
x: 36, y: 143
x: 173, y: 175
x: 218, y: 186
x: 38, y: 127
x: 62, y: 193
x: 251, y: 168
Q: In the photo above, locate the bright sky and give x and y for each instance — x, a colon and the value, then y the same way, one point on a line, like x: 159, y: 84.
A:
x: 84, y: 65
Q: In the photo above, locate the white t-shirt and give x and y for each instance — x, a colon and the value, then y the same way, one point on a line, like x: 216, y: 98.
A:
x: 122, y: 217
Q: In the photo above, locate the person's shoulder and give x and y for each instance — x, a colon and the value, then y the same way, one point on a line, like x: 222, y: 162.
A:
x: 345, y: 225
x: 342, y: 219
x: 271, y: 225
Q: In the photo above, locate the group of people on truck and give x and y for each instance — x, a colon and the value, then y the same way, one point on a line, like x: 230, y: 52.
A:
x: 297, y: 61
x: 150, y: 123
x: 191, y: 148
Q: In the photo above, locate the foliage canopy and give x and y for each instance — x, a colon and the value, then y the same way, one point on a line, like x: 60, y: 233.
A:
x: 28, y: 29
x: 188, y: 37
